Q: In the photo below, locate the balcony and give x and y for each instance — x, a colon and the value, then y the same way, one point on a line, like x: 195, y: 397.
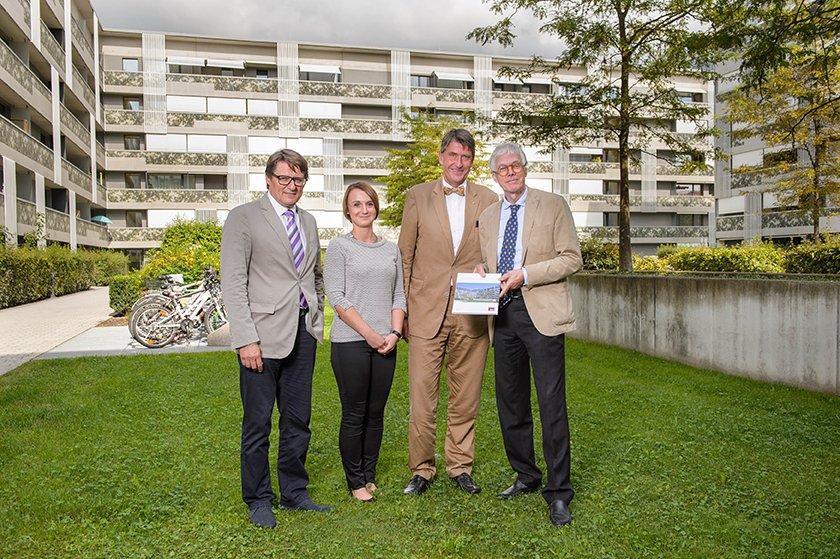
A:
x: 612, y: 200
x: 753, y: 178
x: 58, y: 225
x: 133, y: 236
x: 76, y: 177
x: 733, y: 223
x: 674, y: 170
x: 80, y: 86
x: 224, y: 83
x: 348, y: 90
x: 91, y: 234
x: 79, y: 133
x: 27, y: 147
x: 352, y: 162
x: 458, y: 96
x: 20, y: 13
x: 163, y: 159
x: 51, y: 49
x: 673, y: 233
x: 82, y: 43
x: 346, y: 126
x: 133, y: 81
x: 30, y: 87
x: 248, y: 122
x: 120, y: 117
x: 131, y: 197
x: 26, y: 213
x: 100, y: 153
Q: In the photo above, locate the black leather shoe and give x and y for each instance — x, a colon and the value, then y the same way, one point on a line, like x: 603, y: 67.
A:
x: 416, y: 485
x: 466, y: 483
x: 307, y: 505
x: 559, y: 513
x: 518, y: 488
x: 261, y: 515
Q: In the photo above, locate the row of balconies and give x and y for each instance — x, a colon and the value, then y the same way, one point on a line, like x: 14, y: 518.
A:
x: 57, y: 225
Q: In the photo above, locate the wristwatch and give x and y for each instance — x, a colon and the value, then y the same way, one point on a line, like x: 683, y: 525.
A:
x: 397, y: 334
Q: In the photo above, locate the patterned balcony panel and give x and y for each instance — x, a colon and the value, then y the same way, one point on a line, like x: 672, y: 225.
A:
x: 57, y: 221
x: 26, y: 213
x: 685, y: 201
x: 462, y: 96
x: 666, y: 232
x: 707, y: 171
x: 21, y: 74
x: 80, y: 39
x: 346, y: 126
x: 76, y: 176
x: 119, y: 117
x: 81, y: 84
x: 70, y: 122
x: 189, y: 120
x: 518, y: 96
x: 100, y: 153
x: 329, y: 233
x: 730, y: 223
x: 101, y: 195
x: 124, y: 79
x: 781, y: 220
x: 91, y: 231
x: 593, y: 168
x: 165, y: 196
x: 364, y: 162
x: 52, y: 47
x: 186, y: 159
x: 329, y: 89
x: 135, y: 234
x: 25, y: 144
x: 227, y: 83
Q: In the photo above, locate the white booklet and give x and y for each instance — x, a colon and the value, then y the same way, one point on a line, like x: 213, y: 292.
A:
x: 476, y: 295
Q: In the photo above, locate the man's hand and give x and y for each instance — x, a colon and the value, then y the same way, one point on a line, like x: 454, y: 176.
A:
x: 511, y: 280
x: 251, y: 357
x: 479, y: 269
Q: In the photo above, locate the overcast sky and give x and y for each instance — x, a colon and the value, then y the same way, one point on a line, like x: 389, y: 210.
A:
x: 435, y: 25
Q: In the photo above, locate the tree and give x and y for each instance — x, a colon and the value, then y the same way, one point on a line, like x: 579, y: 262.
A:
x: 418, y: 162
x: 795, y: 109
x: 631, y: 50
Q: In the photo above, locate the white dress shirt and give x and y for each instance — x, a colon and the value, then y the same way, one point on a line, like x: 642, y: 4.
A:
x: 456, y: 208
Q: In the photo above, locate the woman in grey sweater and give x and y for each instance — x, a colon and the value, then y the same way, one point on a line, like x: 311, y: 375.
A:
x: 364, y: 284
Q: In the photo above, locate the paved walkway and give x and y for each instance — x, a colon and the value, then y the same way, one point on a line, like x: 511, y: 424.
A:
x: 65, y: 327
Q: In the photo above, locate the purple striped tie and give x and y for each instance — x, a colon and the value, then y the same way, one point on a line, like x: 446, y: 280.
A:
x: 297, y: 246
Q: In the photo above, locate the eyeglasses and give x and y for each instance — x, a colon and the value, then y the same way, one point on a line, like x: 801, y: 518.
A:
x: 505, y: 170
x: 286, y: 180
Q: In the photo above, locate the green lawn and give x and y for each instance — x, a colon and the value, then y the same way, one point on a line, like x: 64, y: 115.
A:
x: 139, y: 457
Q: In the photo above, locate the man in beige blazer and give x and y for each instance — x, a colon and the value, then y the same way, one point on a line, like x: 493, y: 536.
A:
x: 274, y: 297
x: 438, y: 239
x: 529, y: 237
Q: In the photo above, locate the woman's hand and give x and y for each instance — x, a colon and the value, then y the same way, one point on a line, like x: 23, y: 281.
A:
x: 389, y: 345
x: 374, y: 339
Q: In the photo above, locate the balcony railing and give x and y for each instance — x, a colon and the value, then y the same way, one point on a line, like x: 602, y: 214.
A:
x: 679, y: 171
x: 358, y: 90
x: 136, y: 234
x: 730, y: 223
x: 27, y: 214
x: 57, y: 221
x: 85, y: 230
x: 71, y: 123
x: 661, y: 201
x: 317, y: 161
x: 81, y: 39
x: 81, y: 84
x: 119, y: 117
x: 166, y: 196
x: 665, y: 232
x: 25, y: 144
x: 53, y: 48
x: 173, y: 158
x: 100, y: 153
x: 227, y: 83
x: 101, y: 195
x: 76, y: 176
x: 21, y: 72
x: 755, y: 177
x: 781, y: 220
x: 123, y: 79
x: 461, y: 96
x: 346, y: 126
x: 188, y: 120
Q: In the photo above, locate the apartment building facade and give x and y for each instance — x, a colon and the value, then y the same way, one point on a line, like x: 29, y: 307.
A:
x: 133, y: 129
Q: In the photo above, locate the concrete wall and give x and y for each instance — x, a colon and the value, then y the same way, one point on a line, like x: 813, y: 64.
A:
x: 781, y: 331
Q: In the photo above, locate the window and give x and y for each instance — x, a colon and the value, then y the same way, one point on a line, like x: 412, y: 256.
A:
x: 134, y: 218
x: 421, y: 81
x: 610, y: 219
x: 134, y: 180
x: 130, y: 65
x: 133, y: 142
x: 166, y: 181
x: 262, y: 73
x: 133, y: 104
x: 611, y: 187
x: 691, y: 220
x: 683, y: 189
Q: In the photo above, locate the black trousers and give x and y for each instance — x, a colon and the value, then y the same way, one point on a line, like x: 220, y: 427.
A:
x: 519, y: 346
x: 288, y: 382
x: 364, y: 378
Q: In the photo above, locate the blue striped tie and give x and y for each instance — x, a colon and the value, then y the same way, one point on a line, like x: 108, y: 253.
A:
x: 297, y: 246
x: 508, y: 252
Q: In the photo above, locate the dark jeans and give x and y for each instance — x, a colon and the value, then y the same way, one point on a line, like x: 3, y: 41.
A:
x: 287, y: 381
x: 519, y: 347
x: 364, y: 382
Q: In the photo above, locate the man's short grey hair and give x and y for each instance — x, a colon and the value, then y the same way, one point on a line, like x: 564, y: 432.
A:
x: 508, y: 148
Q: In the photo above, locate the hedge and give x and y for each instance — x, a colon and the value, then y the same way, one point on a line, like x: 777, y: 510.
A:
x: 24, y: 276
x: 743, y: 258
x: 598, y: 253
x: 814, y: 258
x: 124, y: 291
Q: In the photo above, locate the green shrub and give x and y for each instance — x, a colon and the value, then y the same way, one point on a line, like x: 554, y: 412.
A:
x: 183, y: 234
x: 107, y: 264
x: 24, y: 276
x: 123, y: 292
x: 189, y: 261
x: 742, y: 258
x: 664, y: 251
x: 649, y: 264
x: 71, y: 271
x: 599, y: 252
x: 814, y: 258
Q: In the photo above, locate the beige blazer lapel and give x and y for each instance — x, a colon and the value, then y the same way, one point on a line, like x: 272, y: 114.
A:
x: 532, y: 205
x: 492, y: 246
x: 438, y: 203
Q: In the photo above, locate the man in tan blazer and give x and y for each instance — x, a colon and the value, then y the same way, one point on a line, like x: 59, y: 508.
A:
x: 274, y: 297
x: 529, y: 237
x: 438, y: 239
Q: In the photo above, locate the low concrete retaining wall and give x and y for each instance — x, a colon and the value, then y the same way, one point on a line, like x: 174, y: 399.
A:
x: 775, y: 330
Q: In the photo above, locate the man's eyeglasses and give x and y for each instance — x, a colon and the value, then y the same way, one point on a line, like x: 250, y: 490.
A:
x: 285, y: 180
x: 505, y: 170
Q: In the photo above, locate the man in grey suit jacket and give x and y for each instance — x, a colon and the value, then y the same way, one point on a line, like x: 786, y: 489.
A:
x: 529, y: 237
x: 274, y: 296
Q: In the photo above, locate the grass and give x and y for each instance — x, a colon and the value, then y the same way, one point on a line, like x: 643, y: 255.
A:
x: 139, y: 457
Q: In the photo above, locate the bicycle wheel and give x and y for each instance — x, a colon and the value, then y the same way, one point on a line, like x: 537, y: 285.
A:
x: 214, y: 319
x: 144, y: 302
x: 151, y: 328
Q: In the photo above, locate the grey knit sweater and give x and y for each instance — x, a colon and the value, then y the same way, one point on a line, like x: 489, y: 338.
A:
x: 367, y: 277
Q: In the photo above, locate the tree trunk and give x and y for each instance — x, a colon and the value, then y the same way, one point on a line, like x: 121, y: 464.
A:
x: 625, y: 254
